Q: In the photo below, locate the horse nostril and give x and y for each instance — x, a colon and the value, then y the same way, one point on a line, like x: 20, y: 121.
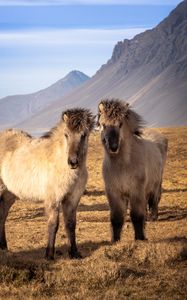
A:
x: 73, y: 162
x: 114, y: 147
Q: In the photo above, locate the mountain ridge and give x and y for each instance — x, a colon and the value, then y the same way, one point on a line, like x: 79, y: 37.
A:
x: 149, y: 71
x: 28, y: 104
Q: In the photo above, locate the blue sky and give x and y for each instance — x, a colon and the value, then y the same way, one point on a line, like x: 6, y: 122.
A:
x: 41, y: 41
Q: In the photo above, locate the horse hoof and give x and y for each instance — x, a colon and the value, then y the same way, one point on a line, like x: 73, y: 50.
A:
x: 49, y: 257
x: 59, y: 252
x: 141, y: 238
x: 3, y: 246
x: 153, y: 218
x: 75, y: 255
x: 115, y: 241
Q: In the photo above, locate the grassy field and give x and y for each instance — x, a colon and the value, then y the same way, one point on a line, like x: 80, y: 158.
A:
x: 155, y: 269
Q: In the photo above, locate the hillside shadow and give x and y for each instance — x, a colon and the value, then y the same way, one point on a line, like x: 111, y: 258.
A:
x: 171, y: 213
x: 24, y: 258
x: 174, y: 213
x: 95, y: 193
x: 174, y: 190
x: 31, y: 214
x: 165, y: 213
x: 177, y: 239
x: 93, y: 207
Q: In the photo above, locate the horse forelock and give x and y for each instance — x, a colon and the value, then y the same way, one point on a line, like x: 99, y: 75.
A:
x: 79, y: 119
x: 113, y: 110
x: 116, y: 111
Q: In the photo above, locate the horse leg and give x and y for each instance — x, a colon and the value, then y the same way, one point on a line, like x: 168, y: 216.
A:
x: 118, y: 208
x: 153, y: 207
x: 138, y: 213
x: 69, y: 212
x: 3, y: 242
x: 7, y: 199
x: 53, y: 224
x: 153, y: 201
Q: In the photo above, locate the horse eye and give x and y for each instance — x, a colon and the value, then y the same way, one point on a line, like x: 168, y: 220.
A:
x: 120, y: 125
x: 104, y: 126
x: 65, y: 134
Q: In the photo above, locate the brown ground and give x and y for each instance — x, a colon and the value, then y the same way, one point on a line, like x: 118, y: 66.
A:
x: 155, y: 269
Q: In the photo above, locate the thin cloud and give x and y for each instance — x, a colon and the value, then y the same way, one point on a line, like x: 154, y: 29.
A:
x: 32, y: 60
x: 67, y: 36
x: 88, y: 2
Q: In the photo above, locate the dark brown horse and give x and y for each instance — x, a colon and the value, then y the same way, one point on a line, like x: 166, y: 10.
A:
x: 132, y: 167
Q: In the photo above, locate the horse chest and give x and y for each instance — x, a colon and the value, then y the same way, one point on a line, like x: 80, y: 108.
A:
x: 121, y: 177
x: 74, y: 193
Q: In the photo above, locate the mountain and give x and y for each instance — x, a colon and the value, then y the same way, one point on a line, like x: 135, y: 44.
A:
x: 19, y: 107
x: 149, y: 71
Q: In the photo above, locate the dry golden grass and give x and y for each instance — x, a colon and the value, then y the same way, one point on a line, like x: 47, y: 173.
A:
x: 128, y: 270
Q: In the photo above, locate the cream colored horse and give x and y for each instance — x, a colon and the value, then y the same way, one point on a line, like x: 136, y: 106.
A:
x: 51, y: 168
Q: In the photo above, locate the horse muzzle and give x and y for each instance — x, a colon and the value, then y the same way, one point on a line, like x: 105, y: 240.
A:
x: 111, y: 140
x: 73, y: 163
x: 113, y: 148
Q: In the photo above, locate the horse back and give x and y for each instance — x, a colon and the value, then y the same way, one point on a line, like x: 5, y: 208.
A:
x: 158, y: 139
x: 10, y: 140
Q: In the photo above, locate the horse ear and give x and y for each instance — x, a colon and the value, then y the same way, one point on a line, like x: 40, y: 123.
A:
x: 126, y: 105
x: 101, y: 107
x: 65, y: 117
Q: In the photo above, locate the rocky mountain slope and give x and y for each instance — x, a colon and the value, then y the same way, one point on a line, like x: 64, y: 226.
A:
x: 149, y: 71
x: 17, y: 108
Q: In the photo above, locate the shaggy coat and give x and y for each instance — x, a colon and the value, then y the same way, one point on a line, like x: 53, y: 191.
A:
x: 132, y: 167
x: 51, y: 168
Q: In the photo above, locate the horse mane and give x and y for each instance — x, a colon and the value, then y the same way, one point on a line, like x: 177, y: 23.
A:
x: 48, y: 134
x: 77, y: 119
x: 17, y: 132
x: 118, y: 110
x: 135, y: 121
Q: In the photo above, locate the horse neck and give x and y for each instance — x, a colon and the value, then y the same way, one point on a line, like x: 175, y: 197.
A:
x: 55, y: 144
x: 84, y: 159
x: 131, y: 146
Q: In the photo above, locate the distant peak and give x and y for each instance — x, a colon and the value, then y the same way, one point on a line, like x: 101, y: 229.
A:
x: 74, y: 77
x: 77, y: 73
